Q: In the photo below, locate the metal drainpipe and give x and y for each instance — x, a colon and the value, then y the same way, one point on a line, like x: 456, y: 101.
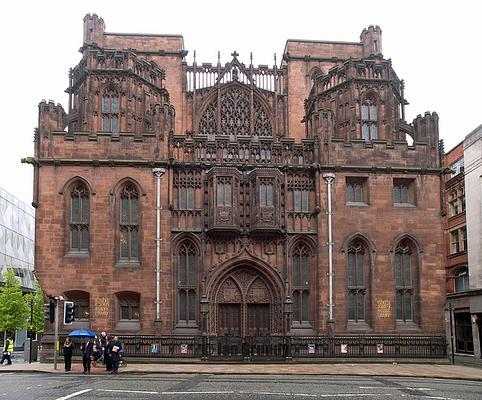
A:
x: 329, y: 178
x: 158, y: 172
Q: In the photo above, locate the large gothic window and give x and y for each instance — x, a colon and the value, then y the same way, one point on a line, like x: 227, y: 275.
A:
x: 404, y: 280
x: 356, y: 281
x: 300, y: 281
x: 369, y: 119
x: 79, y: 218
x: 187, y: 282
x: 235, y: 116
x: 129, y: 223
x: 110, y: 111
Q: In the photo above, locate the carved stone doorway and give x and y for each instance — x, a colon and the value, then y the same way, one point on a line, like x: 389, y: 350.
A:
x: 245, y: 303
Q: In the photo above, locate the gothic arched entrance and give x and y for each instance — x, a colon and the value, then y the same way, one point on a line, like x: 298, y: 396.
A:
x: 245, y: 302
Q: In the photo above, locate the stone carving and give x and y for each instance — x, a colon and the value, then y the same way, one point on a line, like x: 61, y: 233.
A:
x: 224, y: 215
x: 258, y: 293
x: 229, y: 292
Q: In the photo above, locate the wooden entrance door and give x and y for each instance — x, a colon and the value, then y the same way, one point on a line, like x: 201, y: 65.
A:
x: 258, y: 319
x: 229, y: 316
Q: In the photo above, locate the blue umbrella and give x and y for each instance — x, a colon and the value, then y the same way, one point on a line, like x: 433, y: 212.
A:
x: 81, y: 333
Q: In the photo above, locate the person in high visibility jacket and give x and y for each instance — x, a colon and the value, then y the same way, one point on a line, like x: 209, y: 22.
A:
x: 7, y: 351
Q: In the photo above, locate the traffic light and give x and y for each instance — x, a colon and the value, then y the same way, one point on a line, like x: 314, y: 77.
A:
x: 69, y: 310
x: 49, y: 312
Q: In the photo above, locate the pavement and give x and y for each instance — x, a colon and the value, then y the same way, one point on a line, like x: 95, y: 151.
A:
x: 357, y: 369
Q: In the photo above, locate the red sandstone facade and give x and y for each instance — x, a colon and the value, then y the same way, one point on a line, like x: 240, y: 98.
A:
x: 245, y: 156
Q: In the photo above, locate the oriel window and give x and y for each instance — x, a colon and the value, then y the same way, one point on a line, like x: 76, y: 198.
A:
x: 110, y: 111
x: 266, y: 194
x: 79, y: 218
x: 224, y: 192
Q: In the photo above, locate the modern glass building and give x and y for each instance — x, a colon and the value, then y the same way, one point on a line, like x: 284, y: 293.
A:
x: 17, y: 230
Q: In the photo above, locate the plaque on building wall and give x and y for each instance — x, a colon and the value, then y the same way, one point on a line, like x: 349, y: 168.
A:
x: 102, y: 307
x: 384, y: 309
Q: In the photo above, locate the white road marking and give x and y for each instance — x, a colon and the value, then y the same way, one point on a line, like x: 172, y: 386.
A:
x: 220, y: 392
x: 379, y: 387
x: 74, y: 394
x: 440, y: 398
x: 126, y: 391
x: 355, y: 395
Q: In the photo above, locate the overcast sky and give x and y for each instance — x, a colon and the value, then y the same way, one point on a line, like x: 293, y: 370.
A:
x: 435, y: 46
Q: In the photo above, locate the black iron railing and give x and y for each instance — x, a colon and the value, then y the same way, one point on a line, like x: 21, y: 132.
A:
x: 283, y: 347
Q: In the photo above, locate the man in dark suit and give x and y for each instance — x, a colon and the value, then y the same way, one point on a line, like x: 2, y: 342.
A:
x: 87, y: 349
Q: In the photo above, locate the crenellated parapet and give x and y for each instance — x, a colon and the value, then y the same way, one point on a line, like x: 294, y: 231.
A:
x: 119, y: 92
x: 364, y: 97
x: 371, y: 39
x: 98, y: 60
x: 51, y: 116
x: 379, y: 154
x: 425, y: 129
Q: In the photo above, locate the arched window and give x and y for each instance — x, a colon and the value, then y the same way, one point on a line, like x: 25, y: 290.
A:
x: 187, y: 282
x: 129, y: 223
x: 79, y: 218
x: 110, y: 111
x: 300, y: 281
x: 369, y: 119
x: 404, y: 280
x: 356, y: 281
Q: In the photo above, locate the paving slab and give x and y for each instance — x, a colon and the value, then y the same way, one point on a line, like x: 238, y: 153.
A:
x: 362, y: 369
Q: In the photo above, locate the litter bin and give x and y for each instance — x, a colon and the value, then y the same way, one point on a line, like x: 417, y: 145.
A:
x: 26, y: 350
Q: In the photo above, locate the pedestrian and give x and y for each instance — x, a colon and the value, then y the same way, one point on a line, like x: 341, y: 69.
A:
x: 68, y: 350
x: 87, y: 349
x: 97, y: 352
x: 103, y: 340
x: 115, y: 349
x: 7, y: 350
x: 107, y: 352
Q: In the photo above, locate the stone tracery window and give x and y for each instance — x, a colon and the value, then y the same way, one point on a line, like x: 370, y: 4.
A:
x: 129, y: 223
x: 187, y: 282
x: 404, y: 281
x: 369, y: 118
x: 235, y: 116
x: 110, y: 111
x: 79, y: 218
x: 300, y: 281
x: 207, y: 124
x: 262, y: 124
x: 356, y: 281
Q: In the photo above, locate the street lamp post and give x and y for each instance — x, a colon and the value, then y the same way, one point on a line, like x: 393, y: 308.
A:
x: 450, y: 309
x: 288, y: 310
x: 204, y: 308
x: 31, y: 305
